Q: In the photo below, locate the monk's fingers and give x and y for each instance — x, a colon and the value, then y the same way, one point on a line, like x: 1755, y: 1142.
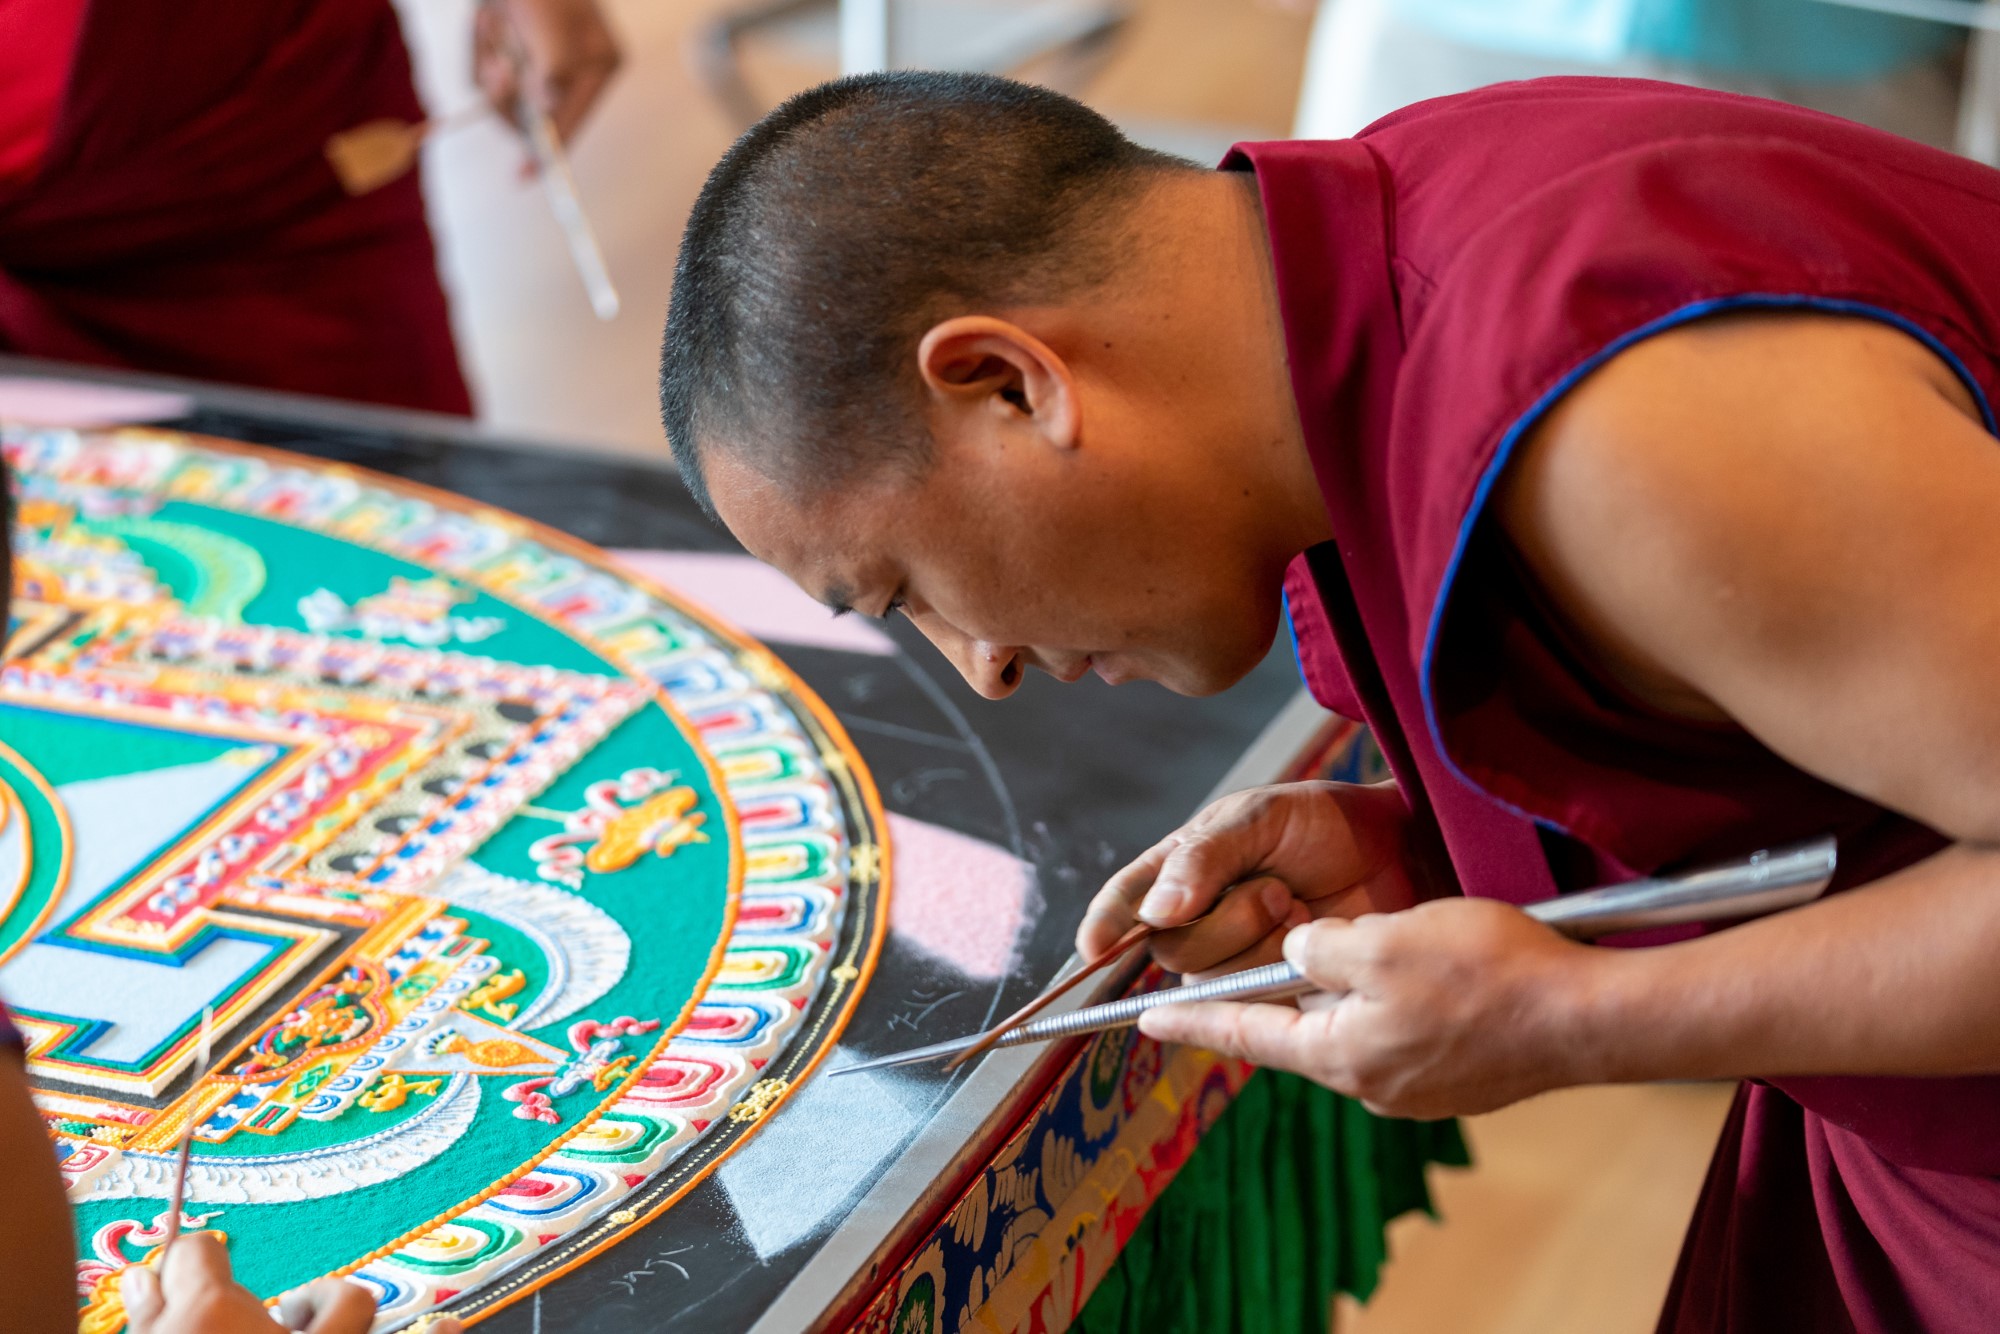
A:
x: 1269, y: 949
x: 1241, y: 921
x: 1100, y: 929
x: 574, y: 91
x: 1262, y: 1033
x: 1113, y: 909
x: 570, y: 55
x: 495, y: 66
x: 139, y: 1288
x: 194, y: 1268
x: 329, y: 1306
x: 341, y: 1307
x: 1181, y: 877
x: 1335, y: 954
x: 1206, y: 861
x: 1218, y: 832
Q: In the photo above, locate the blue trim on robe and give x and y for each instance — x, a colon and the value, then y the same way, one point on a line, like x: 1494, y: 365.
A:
x: 1528, y: 420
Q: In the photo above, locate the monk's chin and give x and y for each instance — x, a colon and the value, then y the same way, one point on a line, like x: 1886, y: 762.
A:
x: 1198, y: 679
x: 1212, y: 667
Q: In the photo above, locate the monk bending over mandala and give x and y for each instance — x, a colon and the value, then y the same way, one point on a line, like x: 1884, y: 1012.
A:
x: 1622, y: 454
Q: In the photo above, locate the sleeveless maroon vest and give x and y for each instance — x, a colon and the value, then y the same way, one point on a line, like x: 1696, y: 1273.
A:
x: 1445, y: 277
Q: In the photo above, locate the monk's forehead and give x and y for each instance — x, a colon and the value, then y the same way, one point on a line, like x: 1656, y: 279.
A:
x: 804, y: 534
x: 751, y: 505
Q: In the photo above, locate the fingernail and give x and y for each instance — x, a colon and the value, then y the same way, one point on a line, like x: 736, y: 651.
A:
x: 1162, y: 903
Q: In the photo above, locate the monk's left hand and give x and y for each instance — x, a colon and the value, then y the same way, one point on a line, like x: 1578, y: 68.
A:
x: 558, y: 54
x: 190, y: 1290
x: 1449, y: 1008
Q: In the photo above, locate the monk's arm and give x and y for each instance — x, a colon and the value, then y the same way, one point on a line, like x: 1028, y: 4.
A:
x: 1894, y: 978
x: 37, y: 1257
x: 1794, y: 523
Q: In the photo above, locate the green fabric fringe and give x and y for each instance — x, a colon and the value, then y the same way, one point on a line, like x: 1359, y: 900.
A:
x: 1285, y: 1202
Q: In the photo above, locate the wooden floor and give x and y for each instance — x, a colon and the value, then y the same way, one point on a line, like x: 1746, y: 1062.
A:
x: 1568, y: 1224
x: 1571, y: 1221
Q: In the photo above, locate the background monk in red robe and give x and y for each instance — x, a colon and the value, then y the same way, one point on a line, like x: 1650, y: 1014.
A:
x: 166, y: 201
x: 1624, y: 455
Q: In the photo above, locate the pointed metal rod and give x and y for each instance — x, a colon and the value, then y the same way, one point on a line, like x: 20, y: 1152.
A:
x: 1764, y: 882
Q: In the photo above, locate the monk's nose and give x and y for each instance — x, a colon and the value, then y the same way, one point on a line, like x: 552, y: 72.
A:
x: 993, y: 670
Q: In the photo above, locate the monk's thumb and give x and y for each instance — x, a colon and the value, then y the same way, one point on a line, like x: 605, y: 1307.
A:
x: 1324, y: 952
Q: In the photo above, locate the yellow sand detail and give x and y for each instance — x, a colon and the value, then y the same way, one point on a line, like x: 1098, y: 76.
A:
x: 661, y: 823
x: 392, y: 1091
x: 612, y: 1073
x: 496, y: 1053
x: 489, y: 994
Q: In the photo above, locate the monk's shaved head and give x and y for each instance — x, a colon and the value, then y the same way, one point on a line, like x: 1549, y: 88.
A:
x: 849, y: 221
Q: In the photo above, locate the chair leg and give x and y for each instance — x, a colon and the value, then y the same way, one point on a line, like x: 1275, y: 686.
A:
x: 712, y: 51
x: 1979, y: 97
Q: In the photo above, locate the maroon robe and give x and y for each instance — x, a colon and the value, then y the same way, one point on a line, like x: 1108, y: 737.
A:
x: 1444, y: 278
x: 184, y: 218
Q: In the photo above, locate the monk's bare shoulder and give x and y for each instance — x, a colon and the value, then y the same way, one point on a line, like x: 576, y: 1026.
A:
x: 1791, y: 521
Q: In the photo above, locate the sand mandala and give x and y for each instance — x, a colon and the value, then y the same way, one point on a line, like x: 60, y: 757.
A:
x: 520, y: 892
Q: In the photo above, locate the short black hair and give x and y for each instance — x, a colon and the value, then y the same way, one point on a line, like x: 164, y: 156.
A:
x: 847, y: 222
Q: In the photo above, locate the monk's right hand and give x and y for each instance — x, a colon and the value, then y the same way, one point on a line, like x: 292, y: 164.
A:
x: 1264, y: 861
x: 559, y: 54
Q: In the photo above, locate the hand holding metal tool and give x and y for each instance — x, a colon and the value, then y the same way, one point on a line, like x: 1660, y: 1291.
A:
x: 552, y: 163
x: 1762, y: 883
x: 552, y: 166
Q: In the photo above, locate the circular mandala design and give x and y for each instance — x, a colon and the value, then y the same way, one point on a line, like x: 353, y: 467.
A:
x: 521, y: 892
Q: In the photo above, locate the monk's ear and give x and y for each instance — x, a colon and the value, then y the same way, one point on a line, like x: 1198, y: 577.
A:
x: 977, y: 368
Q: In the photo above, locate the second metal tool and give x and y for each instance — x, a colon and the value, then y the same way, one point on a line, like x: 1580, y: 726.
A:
x: 1762, y: 883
